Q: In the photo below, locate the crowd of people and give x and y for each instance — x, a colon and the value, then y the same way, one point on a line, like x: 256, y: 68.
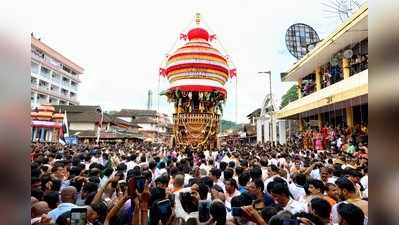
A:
x: 335, y: 138
x: 115, y: 184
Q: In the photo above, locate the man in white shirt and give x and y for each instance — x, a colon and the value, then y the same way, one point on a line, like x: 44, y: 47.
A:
x: 296, y: 187
x: 273, y: 172
x: 215, y: 177
x: 131, y: 162
x: 281, y: 195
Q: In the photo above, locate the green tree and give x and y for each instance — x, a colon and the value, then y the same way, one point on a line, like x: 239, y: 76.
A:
x: 290, y: 96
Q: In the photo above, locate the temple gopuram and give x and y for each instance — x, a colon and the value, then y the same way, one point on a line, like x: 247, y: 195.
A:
x: 197, y: 73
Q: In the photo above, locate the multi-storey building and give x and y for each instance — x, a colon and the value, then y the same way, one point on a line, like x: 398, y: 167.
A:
x: 332, y: 79
x: 54, y: 78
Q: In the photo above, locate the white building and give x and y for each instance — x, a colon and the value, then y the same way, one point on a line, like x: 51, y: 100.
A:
x: 153, y: 125
x: 54, y: 78
x: 268, y: 128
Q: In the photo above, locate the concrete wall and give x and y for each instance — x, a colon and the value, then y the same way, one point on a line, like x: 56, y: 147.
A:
x: 81, y: 126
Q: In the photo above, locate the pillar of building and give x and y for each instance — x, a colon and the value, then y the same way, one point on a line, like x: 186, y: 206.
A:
x: 300, y: 123
x: 346, y: 69
x: 282, y: 132
x: 318, y: 79
x: 349, y: 116
x: 299, y: 88
x: 319, y: 120
x: 41, y: 134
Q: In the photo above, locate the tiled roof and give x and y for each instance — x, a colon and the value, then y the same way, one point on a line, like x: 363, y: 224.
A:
x: 90, y: 114
x: 255, y: 113
x: 135, y: 113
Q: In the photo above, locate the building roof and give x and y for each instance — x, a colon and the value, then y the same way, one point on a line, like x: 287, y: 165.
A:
x: 56, y: 55
x: 255, y: 113
x: 105, y: 134
x: 90, y: 114
x: 135, y: 113
x: 80, y: 113
x: 355, y: 29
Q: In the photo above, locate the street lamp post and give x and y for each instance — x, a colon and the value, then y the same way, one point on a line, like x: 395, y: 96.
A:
x: 271, y: 101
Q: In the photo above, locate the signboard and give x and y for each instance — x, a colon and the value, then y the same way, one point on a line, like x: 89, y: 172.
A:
x: 71, y: 140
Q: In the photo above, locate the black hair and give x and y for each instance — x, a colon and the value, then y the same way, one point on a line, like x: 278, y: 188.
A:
x: 345, y: 183
x: 207, y: 181
x: 274, y: 168
x: 259, y: 184
x: 89, y: 198
x: 313, y: 218
x: 243, y: 179
x: 37, y: 193
x: 280, y: 188
x: 321, y: 207
x: 352, y: 214
x: 101, y: 209
x: 228, y: 173
x: 232, y: 182
x: 300, y: 179
x: 35, y: 172
x: 218, y: 212
x: 52, y: 199
x: 74, y: 171
x: 244, y: 163
x: 256, y: 172
x: 216, y: 172
x: 232, y: 164
x: 63, y: 218
x: 280, y: 217
x: 148, y: 175
x: 90, y: 187
x: 318, y: 184
x: 188, y: 202
x: 222, y: 165
x: 269, y: 211
x: 203, y: 190
x: 239, y: 170
x: 94, y: 180
x: 263, y: 163
x: 108, y: 171
x: 121, y: 167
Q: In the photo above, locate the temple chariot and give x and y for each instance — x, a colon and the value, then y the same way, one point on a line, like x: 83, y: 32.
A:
x: 197, y: 73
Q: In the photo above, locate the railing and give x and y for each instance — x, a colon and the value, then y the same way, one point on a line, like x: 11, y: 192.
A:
x: 56, y: 68
x: 65, y: 84
x: 73, y: 87
x: 194, y: 117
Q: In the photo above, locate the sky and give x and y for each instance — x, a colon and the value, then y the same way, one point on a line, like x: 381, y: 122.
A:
x: 121, y: 44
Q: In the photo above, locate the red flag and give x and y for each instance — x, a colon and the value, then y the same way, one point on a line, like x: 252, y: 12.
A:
x: 162, y: 72
x: 233, y: 73
x: 212, y: 37
x: 183, y: 36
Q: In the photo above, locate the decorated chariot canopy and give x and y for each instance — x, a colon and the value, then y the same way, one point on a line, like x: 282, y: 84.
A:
x: 197, y: 73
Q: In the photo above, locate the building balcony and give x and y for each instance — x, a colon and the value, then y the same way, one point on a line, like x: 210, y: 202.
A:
x: 74, y: 88
x: 354, y: 86
x: 56, y: 68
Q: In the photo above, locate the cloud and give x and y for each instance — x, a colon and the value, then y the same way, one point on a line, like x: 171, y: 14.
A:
x: 122, y: 44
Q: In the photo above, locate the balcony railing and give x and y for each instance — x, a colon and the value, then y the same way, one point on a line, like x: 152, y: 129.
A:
x: 55, y: 67
x: 65, y: 84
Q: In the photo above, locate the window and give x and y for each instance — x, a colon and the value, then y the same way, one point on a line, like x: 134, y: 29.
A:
x: 44, y: 71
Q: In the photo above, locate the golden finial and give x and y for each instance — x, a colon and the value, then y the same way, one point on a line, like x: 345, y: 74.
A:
x: 197, y: 18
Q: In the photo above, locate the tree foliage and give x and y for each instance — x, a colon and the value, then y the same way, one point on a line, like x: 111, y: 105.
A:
x: 290, y: 96
x: 225, y: 125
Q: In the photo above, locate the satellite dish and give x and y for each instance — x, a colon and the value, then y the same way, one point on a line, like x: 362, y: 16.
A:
x: 348, y: 54
x: 300, y: 38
